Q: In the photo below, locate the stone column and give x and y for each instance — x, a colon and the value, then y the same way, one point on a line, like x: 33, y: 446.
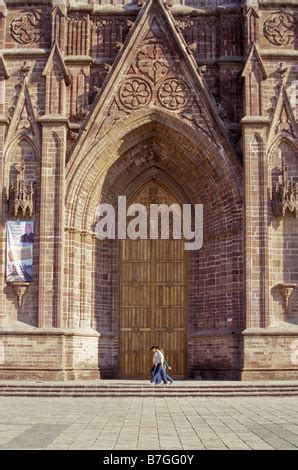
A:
x: 3, y: 125
x: 51, y: 255
x: 93, y: 279
x: 70, y: 281
x: 256, y: 224
x: 54, y: 138
x: 86, y: 279
x: 74, y: 263
x: 3, y: 13
x: 255, y: 128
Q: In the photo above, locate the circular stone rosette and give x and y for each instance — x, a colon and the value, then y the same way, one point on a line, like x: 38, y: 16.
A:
x: 27, y: 27
x: 279, y: 29
x: 174, y: 94
x: 135, y: 93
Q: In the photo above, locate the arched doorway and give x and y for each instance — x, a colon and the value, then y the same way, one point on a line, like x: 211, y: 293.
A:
x: 191, y: 168
x: 153, y: 296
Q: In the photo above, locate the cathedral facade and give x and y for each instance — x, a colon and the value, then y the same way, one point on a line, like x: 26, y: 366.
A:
x: 161, y: 101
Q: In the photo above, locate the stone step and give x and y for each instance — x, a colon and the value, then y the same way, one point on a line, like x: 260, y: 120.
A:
x: 69, y: 390
x: 152, y: 389
x: 145, y: 390
x: 148, y: 394
x: 146, y: 387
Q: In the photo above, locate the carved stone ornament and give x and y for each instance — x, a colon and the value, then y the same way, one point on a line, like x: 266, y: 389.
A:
x: 19, y: 289
x: 173, y: 94
x: 148, y: 156
x: 155, y: 78
x: 25, y: 69
x: 153, y: 60
x: 27, y: 27
x: 154, y: 194
x: 284, y: 194
x: 279, y: 28
x: 24, y: 123
x: 286, y: 290
x: 284, y: 124
x: 135, y: 93
x: 282, y: 71
x: 21, y: 194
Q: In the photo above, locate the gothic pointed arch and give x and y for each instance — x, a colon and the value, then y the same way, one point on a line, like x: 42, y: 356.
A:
x: 154, y: 149
x: 83, y: 184
x: 23, y: 122
x: 22, y: 146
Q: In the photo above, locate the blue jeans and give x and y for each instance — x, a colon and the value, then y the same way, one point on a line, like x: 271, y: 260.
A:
x: 159, y: 374
x: 168, y: 377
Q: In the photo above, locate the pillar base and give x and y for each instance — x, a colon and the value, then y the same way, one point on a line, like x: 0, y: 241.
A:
x: 48, y: 354
x: 270, y: 354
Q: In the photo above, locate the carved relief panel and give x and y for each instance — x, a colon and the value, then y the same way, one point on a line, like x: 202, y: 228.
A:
x: 21, y: 194
x: 30, y: 27
x: 284, y: 194
x: 279, y: 28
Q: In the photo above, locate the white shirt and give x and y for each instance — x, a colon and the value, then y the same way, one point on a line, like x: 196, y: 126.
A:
x: 158, y: 357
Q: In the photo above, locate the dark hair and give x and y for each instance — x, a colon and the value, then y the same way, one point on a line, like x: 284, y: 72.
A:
x: 157, y: 347
x: 153, y: 347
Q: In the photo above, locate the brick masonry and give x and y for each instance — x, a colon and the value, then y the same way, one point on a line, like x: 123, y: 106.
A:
x: 68, y: 110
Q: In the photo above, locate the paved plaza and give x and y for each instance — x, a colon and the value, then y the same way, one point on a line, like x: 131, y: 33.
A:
x: 149, y: 423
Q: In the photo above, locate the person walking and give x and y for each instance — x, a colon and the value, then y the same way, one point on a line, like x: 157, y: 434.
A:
x: 154, y: 364
x: 166, y: 367
x: 157, y: 368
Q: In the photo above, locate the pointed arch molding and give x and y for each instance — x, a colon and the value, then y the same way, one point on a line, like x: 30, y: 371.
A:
x: 155, y: 73
x: 23, y: 124
x: 282, y: 138
x: 223, y: 173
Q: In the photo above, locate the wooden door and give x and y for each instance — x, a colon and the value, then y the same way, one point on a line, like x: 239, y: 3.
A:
x: 153, y: 299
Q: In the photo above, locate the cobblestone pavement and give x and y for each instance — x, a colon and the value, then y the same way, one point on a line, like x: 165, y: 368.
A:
x: 149, y: 423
